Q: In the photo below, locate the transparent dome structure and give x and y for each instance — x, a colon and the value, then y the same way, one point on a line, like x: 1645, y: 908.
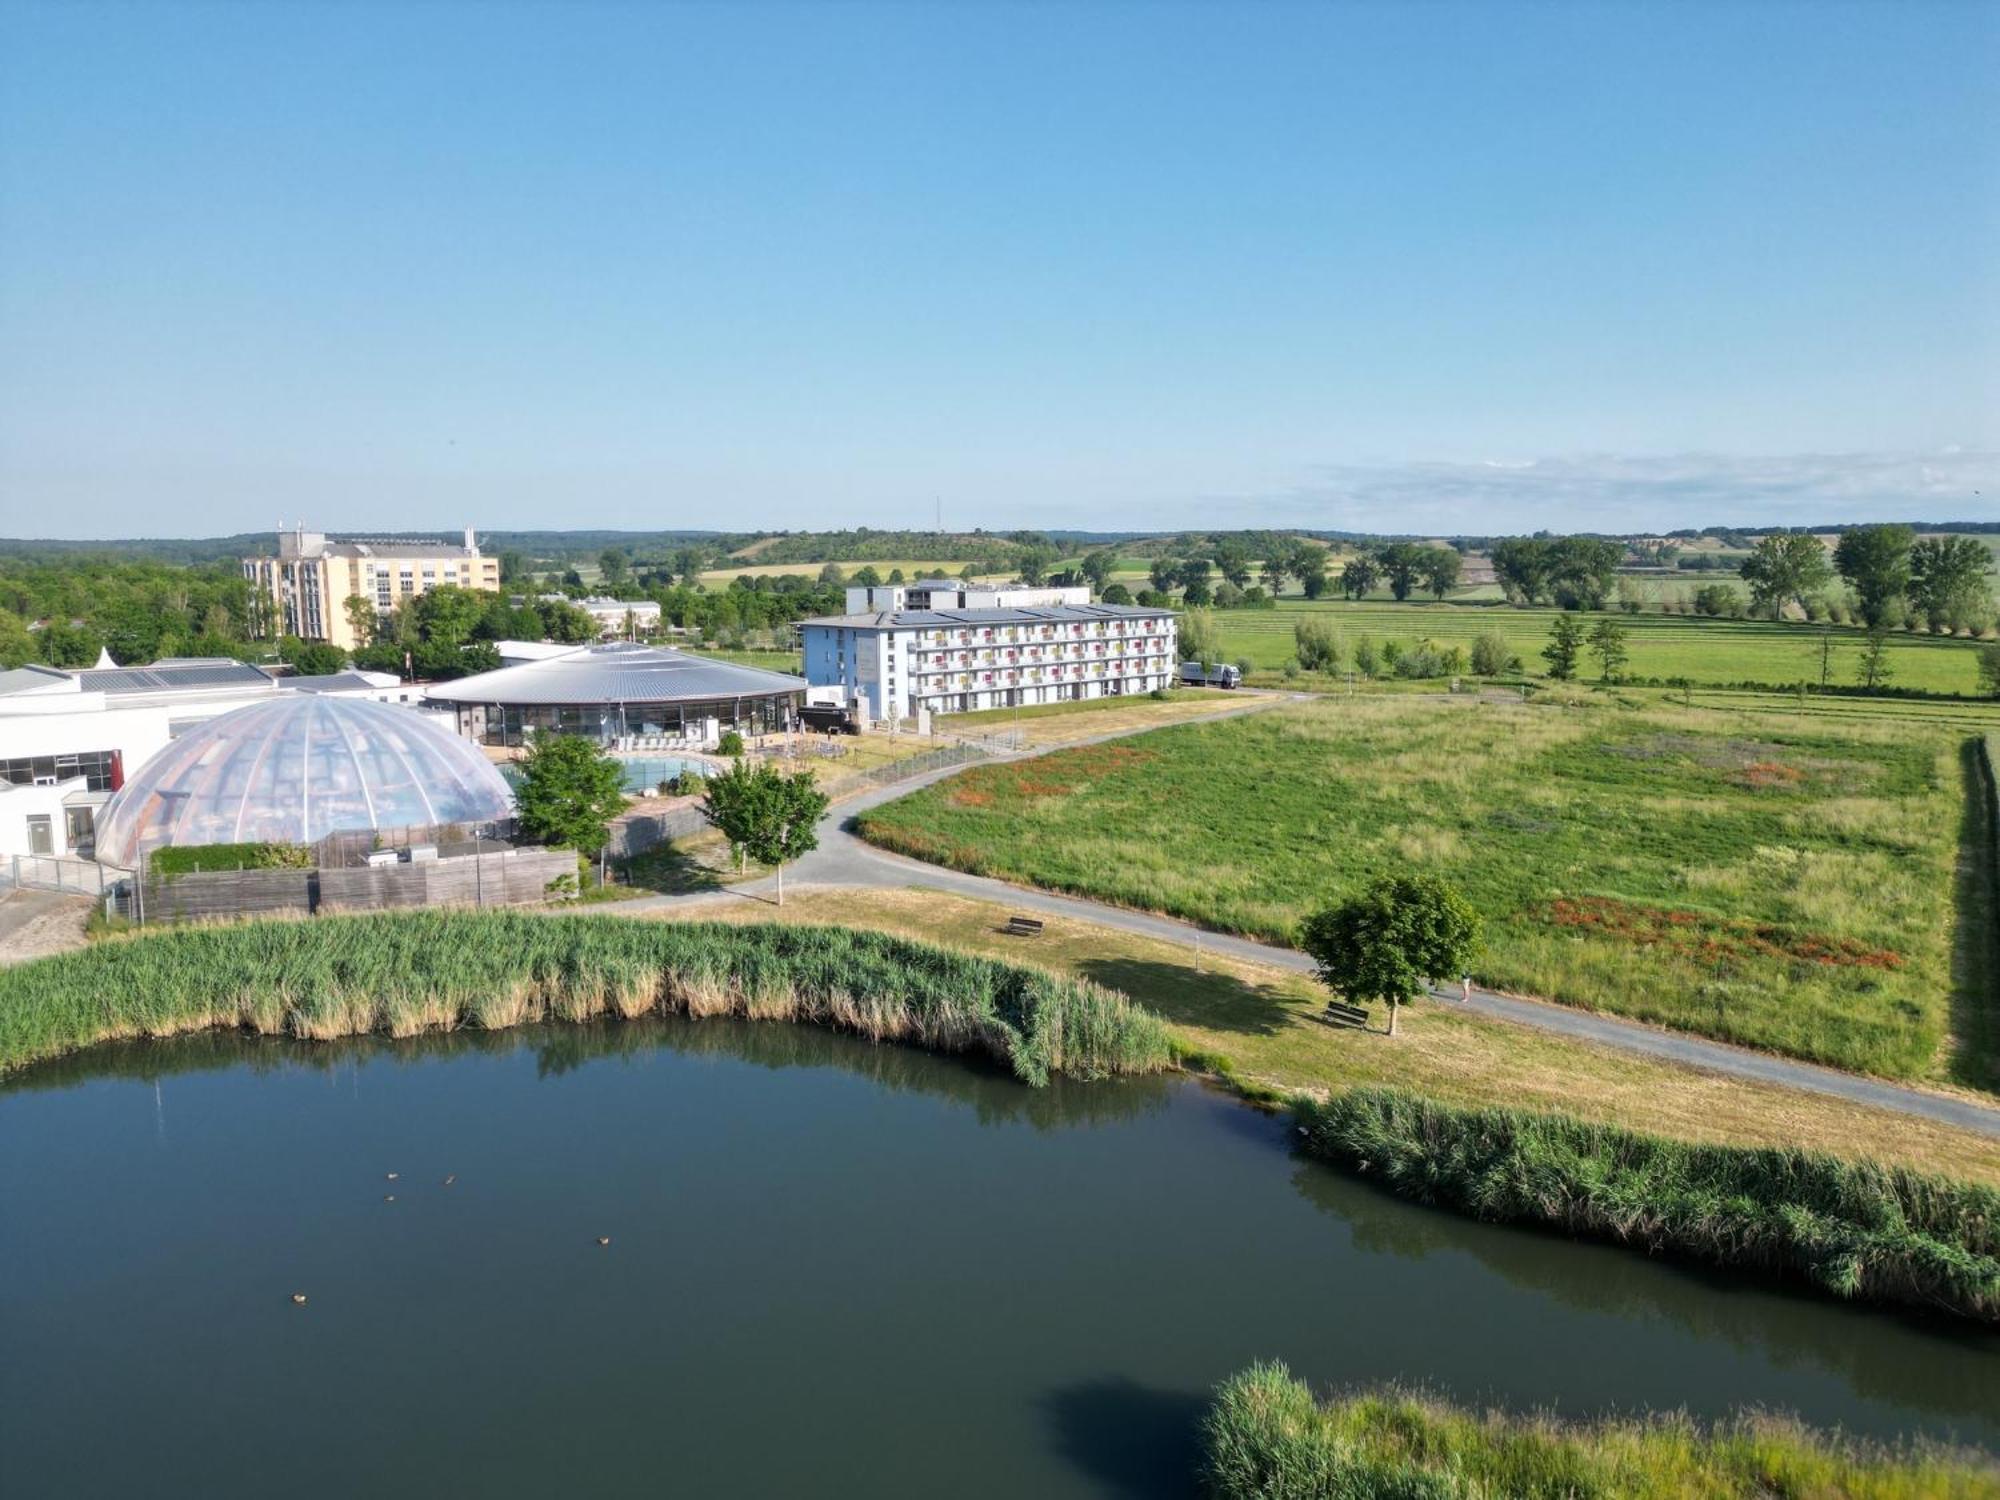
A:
x: 296, y: 769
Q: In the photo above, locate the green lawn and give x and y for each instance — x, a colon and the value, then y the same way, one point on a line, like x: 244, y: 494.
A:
x: 1778, y: 879
x: 1664, y: 646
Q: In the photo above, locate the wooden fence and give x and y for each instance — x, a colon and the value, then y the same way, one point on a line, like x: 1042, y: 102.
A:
x: 516, y: 877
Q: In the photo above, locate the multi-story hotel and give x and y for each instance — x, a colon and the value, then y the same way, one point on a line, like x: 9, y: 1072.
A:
x: 313, y: 576
x: 952, y: 648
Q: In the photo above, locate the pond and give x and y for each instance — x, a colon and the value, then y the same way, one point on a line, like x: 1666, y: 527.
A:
x: 834, y: 1269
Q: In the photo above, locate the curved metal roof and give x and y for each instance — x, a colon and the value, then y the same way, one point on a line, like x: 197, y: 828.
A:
x: 295, y: 769
x: 617, y: 674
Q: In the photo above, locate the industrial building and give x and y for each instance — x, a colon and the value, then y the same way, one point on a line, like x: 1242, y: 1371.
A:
x: 942, y: 647
x: 617, y: 618
x: 307, y: 585
x: 621, y: 695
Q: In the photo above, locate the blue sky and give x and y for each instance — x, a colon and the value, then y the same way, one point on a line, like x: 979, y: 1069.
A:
x: 1421, y: 266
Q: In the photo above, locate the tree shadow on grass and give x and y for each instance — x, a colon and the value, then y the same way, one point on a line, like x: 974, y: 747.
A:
x: 1195, y: 997
x: 669, y: 870
x: 1130, y: 1439
x: 1975, y: 947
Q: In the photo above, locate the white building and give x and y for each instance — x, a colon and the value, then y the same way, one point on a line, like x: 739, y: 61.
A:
x: 68, y: 740
x: 890, y: 663
x: 615, y: 617
x: 949, y: 593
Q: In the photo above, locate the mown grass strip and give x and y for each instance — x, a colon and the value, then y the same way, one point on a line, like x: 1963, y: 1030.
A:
x: 1267, y: 1437
x: 406, y: 973
x: 1852, y: 1229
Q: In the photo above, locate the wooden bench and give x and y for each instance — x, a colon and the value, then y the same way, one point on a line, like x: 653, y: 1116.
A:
x: 1018, y: 926
x: 1340, y: 1013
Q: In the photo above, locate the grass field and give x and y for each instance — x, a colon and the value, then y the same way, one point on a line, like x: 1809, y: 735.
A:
x: 1043, y: 724
x: 1779, y: 880
x: 1262, y: 1024
x: 721, y: 578
x: 1664, y: 646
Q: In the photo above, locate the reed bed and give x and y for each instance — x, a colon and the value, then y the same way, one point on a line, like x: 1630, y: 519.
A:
x: 1853, y: 1229
x: 407, y: 973
x: 1266, y: 1436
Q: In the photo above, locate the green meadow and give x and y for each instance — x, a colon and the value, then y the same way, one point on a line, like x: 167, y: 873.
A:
x: 1783, y: 880
x: 1711, y: 651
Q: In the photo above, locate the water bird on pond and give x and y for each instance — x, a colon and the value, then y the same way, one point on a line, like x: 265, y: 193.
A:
x: 392, y: 1176
x: 388, y: 1197
x: 299, y: 1299
x: 604, y: 1239
x: 450, y: 1178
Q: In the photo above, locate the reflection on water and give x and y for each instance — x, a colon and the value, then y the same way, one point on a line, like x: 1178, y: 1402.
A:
x: 834, y: 1268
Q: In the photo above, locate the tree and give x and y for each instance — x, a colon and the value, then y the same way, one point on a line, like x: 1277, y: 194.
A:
x: 311, y: 658
x: 1273, y: 572
x: 1163, y: 574
x: 1607, y: 643
x: 1784, y: 569
x: 1400, y: 563
x: 867, y: 577
x: 1232, y: 561
x: 765, y: 813
x: 1385, y: 942
x: 1034, y: 564
x: 1097, y: 567
x: 1565, y: 644
x: 832, y: 576
x: 1440, y: 570
x: 447, y: 615
x: 1317, y: 645
x: 1194, y: 581
x: 1581, y: 569
x: 1116, y: 593
x: 570, y: 791
x: 614, y: 565
x: 1948, y: 582
x: 1358, y: 577
x: 1307, y: 563
x: 1874, y: 671
x: 1523, y: 565
x: 1875, y: 561
x: 360, y: 612
x: 1198, y: 638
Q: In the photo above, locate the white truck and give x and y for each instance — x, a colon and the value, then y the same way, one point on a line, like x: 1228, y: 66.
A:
x: 1211, y: 674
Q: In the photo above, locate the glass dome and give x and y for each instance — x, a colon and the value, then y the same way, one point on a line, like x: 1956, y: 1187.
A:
x: 294, y: 770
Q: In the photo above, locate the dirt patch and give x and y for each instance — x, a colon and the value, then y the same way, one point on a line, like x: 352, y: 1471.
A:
x: 1757, y: 764
x: 1700, y: 935
x: 35, y: 924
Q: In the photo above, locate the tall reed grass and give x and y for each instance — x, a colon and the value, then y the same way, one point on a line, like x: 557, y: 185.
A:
x: 406, y: 973
x: 1853, y: 1229
x: 1266, y: 1437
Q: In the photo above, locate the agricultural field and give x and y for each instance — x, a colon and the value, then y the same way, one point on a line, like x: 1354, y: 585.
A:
x: 1664, y: 646
x: 1782, y: 880
x: 721, y: 578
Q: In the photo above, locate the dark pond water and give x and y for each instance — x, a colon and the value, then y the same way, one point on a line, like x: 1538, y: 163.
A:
x: 834, y: 1269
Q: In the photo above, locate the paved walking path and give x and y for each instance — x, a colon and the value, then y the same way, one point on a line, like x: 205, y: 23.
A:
x: 845, y: 861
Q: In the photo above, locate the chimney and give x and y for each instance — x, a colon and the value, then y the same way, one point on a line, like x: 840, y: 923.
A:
x: 470, y: 545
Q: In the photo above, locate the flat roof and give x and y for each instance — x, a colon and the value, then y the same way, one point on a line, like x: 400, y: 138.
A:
x: 172, y: 674
x: 1048, y: 614
x: 617, y: 674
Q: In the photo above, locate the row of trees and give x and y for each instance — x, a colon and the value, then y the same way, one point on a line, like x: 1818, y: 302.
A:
x: 1895, y: 577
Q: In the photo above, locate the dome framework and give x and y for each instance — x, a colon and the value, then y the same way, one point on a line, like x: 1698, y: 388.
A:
x: 297, y: 769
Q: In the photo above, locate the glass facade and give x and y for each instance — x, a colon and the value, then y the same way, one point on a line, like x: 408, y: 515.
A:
x: 516, y: 724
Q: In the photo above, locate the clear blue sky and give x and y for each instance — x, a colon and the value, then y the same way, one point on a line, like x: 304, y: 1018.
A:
x: 1125, y: 265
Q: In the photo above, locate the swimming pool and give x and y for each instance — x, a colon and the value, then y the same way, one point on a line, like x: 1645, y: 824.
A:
x: 643, y: 773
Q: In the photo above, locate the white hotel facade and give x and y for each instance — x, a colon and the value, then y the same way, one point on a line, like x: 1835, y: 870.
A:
x: 948, y: 647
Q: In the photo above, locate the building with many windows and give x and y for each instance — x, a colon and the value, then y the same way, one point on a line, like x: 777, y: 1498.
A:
x: 893, y: 663
x: 307, y: 585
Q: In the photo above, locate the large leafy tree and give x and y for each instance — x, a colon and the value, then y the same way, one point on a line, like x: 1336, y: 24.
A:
x: 1607, y: 642
x: 570, y: 791
x: 1875, y: 561
x: 1785, y: 569
x: 1581, y: 570
x: 1232, y: 561
x: 1199, y: 639
x: 1524, y: 566
x: 1441, y: 567
x: 1307, y: 563
x: 1401, y: 562
x: 1359, y: 576
x: 1948, y: 582
x: 1385, y: 943
x: 769, y: 815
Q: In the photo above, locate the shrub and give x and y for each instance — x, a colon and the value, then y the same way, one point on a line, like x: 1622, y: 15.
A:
x: 731, y: 743
x: 188, y: 859
x: 1491, y: 655
x: 1265, y: 1436
x: 1367, y: 659
x: 1857, y: 1230
x: 1718, y: 600
x: 1318, y: 645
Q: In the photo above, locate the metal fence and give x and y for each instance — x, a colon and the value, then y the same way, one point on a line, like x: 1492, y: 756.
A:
x: 53, y: 872
x: 918, y: 765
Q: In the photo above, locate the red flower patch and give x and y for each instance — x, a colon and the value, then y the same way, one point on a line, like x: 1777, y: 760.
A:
x: 1706, y: 937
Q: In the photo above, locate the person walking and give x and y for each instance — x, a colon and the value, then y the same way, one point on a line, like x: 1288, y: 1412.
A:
x: 1464, y: 988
